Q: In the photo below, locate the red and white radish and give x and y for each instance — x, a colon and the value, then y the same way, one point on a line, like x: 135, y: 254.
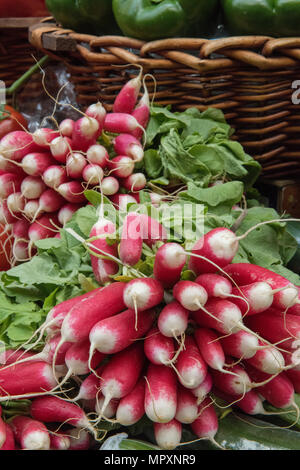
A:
x: 158, y: 348
x: 168, y: 435
x: 98, y: 155
x: 160, y: 393
x: 131, y: 242
x: 173, y: 319
x: 30, y: 433
x: 143, y: 294
x: 131, y: 407
x: 127, y: 144
x: 170, y: 259
x: 75, y: 164
x: 215, y: 285
x: 190, y: 366
x: 190, y: 295
x: 126, y: 99
x: 34, y: 164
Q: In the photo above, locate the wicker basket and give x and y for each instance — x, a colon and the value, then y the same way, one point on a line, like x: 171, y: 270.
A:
x: 249, y: 78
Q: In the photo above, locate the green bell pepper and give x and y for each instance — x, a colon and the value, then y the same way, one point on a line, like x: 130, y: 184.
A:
x: 278, y: 18
x: 84, y: 16
x: 156, y: 19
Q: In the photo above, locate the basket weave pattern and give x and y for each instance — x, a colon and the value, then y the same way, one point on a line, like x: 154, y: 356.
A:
x: 249, y: 78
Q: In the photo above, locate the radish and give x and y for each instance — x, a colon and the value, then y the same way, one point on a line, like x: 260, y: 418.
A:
x: 191, y: 367
x: 237, y: 382
x: 32, y: 187
x: 168, y: 435
x: 113, y: 334
x: 72, y: 192
x: 125, y: 100
x: 30, y: 433
x: 83, y: 316
x: 221, y: 315
x: 187, y: 407
x: 120, y: 123
x: 142, y: 114
x: 203, y: 389
x: 103, y: 268
x: 160, y: 393
x: 206, y: 425
x: 56, y: 410
x: 44, y: 136
x: 253, y: 298
x: 90, y: 386
x: 10, y: 166
x: 34, y: 164
x: 210, y: 348
x: 131, y: 407
x: 158, y: 348
x: 15, y: 145
x: 143, y: 294
x: 86, y: 131
x: 10, y: 356
x: 66, y: 213
x: 6, y: 217
x: 92, y: 174
x: 215, y: 285
x: 190, y: 295
x: 245, y: 273
x: 173, y: 320
x: 121, y: 201
x: 121, y: 373
x: 242, y: 345
x: 127, y: 144
x: 268, y: 359
x: 152, y: 230
x: 54, y: 176
x: 251, y: 403
x: 121, y: 166
x: 75, y: 164
x: 79, y: 439
x: 43, y: 227
x: 216, y: 249
x: 15, y: 203
x: 169, y: 261
x: 131, y: 243
x: 66, y: 127
x: 98, y: 155
x: 110, y: 186
x: 98, y: 112
x: 135, y: 182
x: 104, y: 410
x: 9, y: 443
x: 60, y: 147
x: 79, y: 360
x: 294, y: 376
x: 49, y: 201
x: 26, y: 380
x: 9, y: 184
x: 59, y: 441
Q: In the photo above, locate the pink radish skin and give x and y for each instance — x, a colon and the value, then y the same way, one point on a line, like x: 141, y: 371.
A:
x: 77, y: 358
x: 187, y: 407
x: 168, y: 435
x: 245, y: 273
x: 34, y: 164
x: 203, y: 389
x: 191, y: 367
x: 9, y: 443
x: 21, y: 251
x: 121, y: 201
x: 294, y: 377
x: 66, y: 127
x: 66, y: 213
x: 210, y: 348
x: 173, y: 320
x: 131, y: 243
x: 259, y: 296
x: 279, y: 391
x: 85, y: 133
x: 104, y: 409
x: 135, y: 182
x: 131, y: 407
x: 15, y: 203
x: 50, y: 201
x: 79, y: 439
x: 190, y: 295
x: 55, y: 410
x: 120, y: 123
x: 126, y: 99
x: 32, y: 187
x: 121, y: 166
x: 236, y: 385
x: 143, y: 294
x: 126, y: 144
x: 142, y: 114
x: 7, y: 166
x: 251, y: 403
x: 152, y: 230
x: 98, y: 155
x: 158, y: 348
x: 240, y: 345
x: 11, y: 356
x: 113, y: 334
x: 268, y: 360
x: 43, y: 227
x: 160, y: 393
x: 90, y: 386
x: 121, y: 373
x: 30, y: 433
x: 206, y: 425
x: 110, y: 186
x: 44, y: 136
x: 6, y: 217
x: 220, y: 246
x: 31, y: 209
x: 103, y: 268
x: 20, y: 228
x: 60, y: 147
x: 98, y: 112
x: 92, y: 174
x: 54, y: 176
x: 9, y: 184
x: 169, y: 261
x: 75, y: 164
x: 227, y: 317
x: 82, y: 317
x: 59, y: 441
x: 215, y: 285
x: 15, y: 145
x: 72, y: 192
x: 26, y: 379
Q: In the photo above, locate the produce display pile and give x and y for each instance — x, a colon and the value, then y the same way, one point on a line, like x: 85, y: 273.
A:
x: 148, y: 290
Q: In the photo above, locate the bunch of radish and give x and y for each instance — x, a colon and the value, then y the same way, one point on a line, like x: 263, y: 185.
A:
x: 160, y: 345
x: 43, y: 175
